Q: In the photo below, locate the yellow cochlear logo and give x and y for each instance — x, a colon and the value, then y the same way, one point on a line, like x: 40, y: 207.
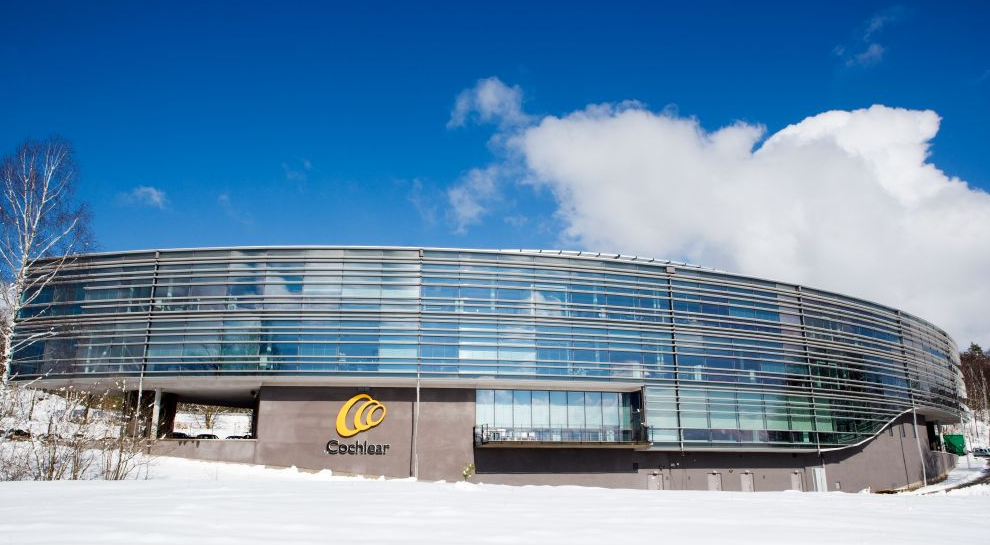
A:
x: 369, y: 413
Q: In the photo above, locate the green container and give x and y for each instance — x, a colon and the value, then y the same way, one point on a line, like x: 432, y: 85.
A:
x: 956, y: 444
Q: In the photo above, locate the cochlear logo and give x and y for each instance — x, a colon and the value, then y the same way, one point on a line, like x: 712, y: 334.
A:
x: 368, y: 415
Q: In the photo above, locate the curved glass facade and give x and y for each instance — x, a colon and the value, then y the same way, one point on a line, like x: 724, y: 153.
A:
x: 719, y: 360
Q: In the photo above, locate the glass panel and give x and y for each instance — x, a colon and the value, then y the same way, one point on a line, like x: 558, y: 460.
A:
x: 610, y: 409
x: 558, y: 409
x: 750, y: 412
x: 800, y: 413
x: 485, y: 407
x: 575, y: 410
x: 541, y: 409
x: 325, y: 286
x: 776, y: 411
x: 522, y: 409
x: 593, y: 409
x: 694, y: 409
x: 503, y: 408
x: 723, y: 410
x: 478, y: 353
x: 398, y: 351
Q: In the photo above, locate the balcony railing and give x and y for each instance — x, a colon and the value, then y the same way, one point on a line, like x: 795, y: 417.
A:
x: 602, y: 436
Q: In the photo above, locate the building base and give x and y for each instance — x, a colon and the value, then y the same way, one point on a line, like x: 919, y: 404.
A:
x: 433, y: 440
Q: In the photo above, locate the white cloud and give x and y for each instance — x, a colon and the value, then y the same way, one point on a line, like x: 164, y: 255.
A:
x: 145, y: 195
x: 881, y: 19
x: 489, y: 101
x: 865, y: 51
x: 873, y: 54
x: 471, y: 197
x: 844, y: 200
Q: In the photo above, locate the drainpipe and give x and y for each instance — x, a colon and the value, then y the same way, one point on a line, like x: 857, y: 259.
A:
x: 414, y: 459
x: 415, y: 435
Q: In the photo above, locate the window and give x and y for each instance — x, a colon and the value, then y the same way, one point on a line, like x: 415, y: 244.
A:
x: 553, y: 410
x: 484, y: 407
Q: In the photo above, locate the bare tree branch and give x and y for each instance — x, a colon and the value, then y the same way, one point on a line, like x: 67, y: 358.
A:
x: 42, y: 224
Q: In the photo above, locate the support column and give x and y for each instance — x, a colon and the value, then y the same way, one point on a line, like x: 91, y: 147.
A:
x: 166, y: 419
x: 255, y: 409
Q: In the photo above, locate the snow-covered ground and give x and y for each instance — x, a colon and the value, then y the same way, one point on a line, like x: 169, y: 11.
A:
x: 225, y: 425
x: 215, y: 503
x: 968, y: 469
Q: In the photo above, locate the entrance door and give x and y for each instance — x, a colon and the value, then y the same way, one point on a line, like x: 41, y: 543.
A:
x: 654, y: 481
x: 747, y: 482
x: 797, y: 483
x: 715, y: 481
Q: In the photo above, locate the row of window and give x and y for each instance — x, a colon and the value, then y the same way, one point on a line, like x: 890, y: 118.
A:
x: 703, y: 415
x: 528, y: 409
x: 379, y: 287
x: 492, y: 262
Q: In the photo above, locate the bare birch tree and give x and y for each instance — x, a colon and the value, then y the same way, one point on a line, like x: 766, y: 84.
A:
x: 76, y: 434
x: 40, y: 217
x: 975, y: 364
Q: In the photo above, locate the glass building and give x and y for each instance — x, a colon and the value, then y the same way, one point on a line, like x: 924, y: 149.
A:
x: 554, y: 346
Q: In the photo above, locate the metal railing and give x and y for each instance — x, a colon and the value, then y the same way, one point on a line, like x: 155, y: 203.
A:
x: 487, y: 434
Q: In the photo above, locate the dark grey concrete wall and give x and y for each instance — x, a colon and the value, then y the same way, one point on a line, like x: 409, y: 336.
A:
x: 446, y: 440
x: 889, y: 461
x: 615, y: 468
x: 230, y: 450
x: 294, y: 425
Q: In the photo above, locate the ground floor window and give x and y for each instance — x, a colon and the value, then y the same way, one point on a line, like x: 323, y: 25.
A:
x: 547, y: 415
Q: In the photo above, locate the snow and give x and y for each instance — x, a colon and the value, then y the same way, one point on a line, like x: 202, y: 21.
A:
x: 38, y: 412
x: 184, y: 469
x: 974, y: 426
x: 218, y: 503
x: 968, y: 469
x: 978, y: 490
x: 225, y: 426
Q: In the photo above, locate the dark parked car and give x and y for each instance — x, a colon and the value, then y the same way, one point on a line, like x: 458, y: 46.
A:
x: 206, y: 436
x: 246, y: 436
x: 178, y: 435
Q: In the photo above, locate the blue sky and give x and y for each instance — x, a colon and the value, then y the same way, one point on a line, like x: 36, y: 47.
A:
x: 287, y: 123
